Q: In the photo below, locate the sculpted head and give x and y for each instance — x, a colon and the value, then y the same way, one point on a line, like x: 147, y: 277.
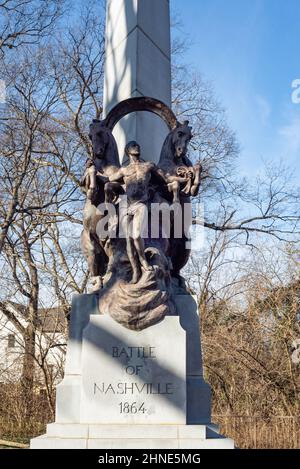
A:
x: 181, y: 137
x: 133, y: 150
x: 99, y: 136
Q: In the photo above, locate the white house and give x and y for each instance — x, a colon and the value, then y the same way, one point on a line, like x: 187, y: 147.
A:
x: 51, y: 333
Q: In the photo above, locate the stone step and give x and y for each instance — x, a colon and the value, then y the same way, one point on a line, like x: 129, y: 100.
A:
x: 81, y: 436
x: 126, y: 431
x: 45, y: 442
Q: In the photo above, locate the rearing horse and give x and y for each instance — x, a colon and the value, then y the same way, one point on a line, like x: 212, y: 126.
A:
x: 182, y: 177
x: 183, y: 181
x: 105, y: 162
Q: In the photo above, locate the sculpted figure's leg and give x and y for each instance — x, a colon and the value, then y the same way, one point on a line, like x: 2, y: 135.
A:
x: 196, y: 183
x: 139, y: 226
x: 133, y: 261
x: 174, y: 187
x: 88, y: 245
x: 126, y: 227
x: 91, y: 182
x: 187, y: 188
x: 91, y: 251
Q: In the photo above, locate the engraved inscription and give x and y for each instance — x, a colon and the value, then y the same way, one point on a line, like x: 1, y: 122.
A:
x: 128, y: 389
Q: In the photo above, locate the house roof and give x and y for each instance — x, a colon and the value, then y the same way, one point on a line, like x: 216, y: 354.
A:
x: 53, y: 319
x: 49, y: 319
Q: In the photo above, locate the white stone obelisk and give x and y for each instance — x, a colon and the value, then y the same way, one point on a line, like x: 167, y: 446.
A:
x: 138, y: 64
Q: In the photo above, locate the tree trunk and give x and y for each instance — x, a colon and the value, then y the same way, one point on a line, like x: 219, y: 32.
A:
x: 27, y: 379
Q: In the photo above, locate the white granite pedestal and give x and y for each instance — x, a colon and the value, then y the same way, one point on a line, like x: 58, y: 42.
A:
x: 134, y: 390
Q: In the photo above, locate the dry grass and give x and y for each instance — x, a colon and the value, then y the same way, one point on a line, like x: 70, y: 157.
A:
x: 247, y: 432
x: 257, y: 433
x: 14, y: 425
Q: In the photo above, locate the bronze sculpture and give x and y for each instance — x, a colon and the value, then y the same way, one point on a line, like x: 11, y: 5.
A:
x: 133, y: 270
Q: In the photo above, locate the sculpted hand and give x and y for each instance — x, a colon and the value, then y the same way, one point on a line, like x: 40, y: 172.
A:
x: 183, y: 172
x: 198, y: 166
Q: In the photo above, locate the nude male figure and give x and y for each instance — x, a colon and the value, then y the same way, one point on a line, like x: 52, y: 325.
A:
x: 136, y: 178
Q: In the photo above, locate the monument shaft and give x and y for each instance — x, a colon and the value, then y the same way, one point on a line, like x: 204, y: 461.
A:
x: 138, y: 64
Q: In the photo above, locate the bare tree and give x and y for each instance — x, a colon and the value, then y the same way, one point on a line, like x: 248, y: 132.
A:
x: 38, y: 196
x: 53, y: 93
x: 24, y: 22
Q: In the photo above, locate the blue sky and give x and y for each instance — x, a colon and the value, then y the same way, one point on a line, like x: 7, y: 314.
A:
x: 249, y: 50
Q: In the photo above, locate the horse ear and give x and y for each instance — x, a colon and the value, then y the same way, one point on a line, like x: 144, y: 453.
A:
x: 186, y: 123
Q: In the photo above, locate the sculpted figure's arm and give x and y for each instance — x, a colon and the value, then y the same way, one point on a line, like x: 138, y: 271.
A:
x: 197, y: 179
x: 159, y: 175
x: 86, y: 178
x: 118, y: 176
x: 113, y: 188
x: 88, y: 181
x: 167, y: 177
x: 91, y: 179
x: 190, y: 176
x: 84, y: 181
